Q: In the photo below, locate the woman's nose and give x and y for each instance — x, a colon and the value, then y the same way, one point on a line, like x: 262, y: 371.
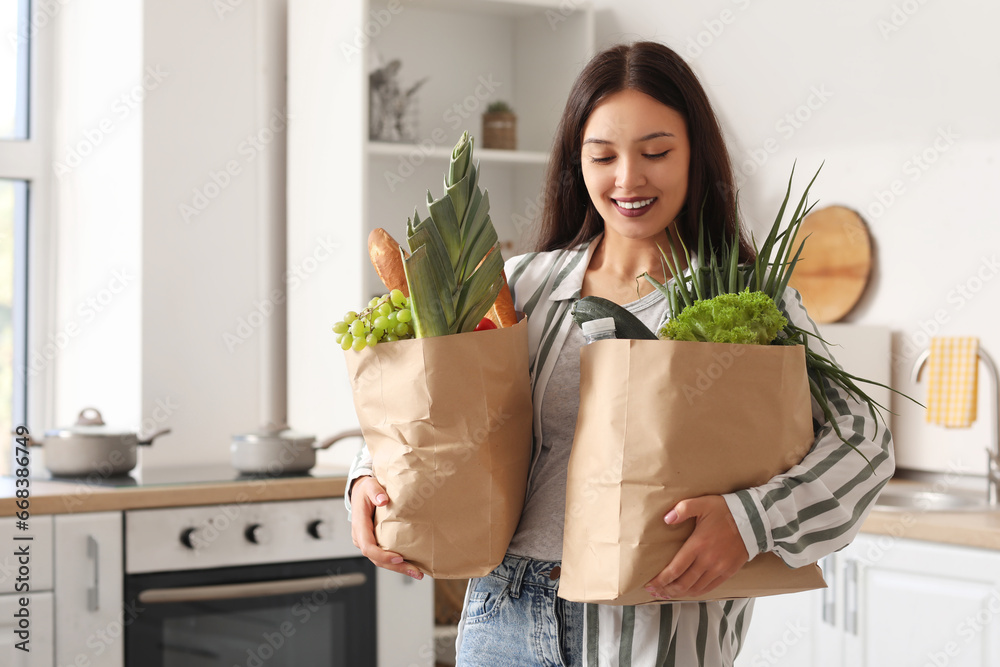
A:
x: 630, y: 174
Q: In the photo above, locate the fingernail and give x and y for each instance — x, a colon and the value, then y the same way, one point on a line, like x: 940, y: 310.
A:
x: 671, y: 516
x: 415, y: 575
x: 652, y: 591
x: 381, y: 498
x: 397, y: 560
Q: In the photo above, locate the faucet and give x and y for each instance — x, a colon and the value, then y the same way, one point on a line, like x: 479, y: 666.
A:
x: 993, y: 450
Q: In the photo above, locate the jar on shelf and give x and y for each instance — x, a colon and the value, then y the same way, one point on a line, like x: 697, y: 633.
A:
x: 499, y: 127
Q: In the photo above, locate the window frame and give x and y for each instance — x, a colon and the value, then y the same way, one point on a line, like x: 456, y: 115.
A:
x: 30, y: 160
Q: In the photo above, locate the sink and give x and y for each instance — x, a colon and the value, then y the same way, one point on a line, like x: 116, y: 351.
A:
x: 903, y: 499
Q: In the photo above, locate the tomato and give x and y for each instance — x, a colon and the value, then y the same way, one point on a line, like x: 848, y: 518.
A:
x: 485, y: 324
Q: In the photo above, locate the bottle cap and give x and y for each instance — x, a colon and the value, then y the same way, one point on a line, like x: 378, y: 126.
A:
x: 602, y: 325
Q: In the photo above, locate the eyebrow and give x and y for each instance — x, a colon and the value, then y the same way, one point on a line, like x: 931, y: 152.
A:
x: 654, y: 135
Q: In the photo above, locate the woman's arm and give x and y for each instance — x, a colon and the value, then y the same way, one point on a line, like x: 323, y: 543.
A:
x: 360, y: 467
x: 818, y: 506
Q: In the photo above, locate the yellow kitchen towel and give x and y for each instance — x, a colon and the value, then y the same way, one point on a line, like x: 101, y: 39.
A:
x: 951, y: 387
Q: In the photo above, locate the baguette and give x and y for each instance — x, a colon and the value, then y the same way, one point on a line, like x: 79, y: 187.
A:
x: 385, y: 255
x: 502, y: 312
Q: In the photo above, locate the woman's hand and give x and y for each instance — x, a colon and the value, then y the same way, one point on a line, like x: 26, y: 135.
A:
x: 366, y: 495
x: 711, y: 554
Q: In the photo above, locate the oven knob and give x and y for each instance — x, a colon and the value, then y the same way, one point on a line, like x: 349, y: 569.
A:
x: 257, y: 534
x: 319, y: 529
x: 190, y: 538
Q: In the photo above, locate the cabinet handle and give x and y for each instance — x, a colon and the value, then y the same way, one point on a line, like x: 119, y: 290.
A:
x: 829, y: 593
x: 93, y: 601
x: 851, y: 597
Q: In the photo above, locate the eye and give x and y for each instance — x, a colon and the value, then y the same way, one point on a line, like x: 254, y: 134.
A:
x: 601, y: 160
x: 656, y: 156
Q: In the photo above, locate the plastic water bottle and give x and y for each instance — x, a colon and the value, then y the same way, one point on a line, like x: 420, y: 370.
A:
x: 601, y: 329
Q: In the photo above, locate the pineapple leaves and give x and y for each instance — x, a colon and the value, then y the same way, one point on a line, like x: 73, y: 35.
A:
x: 443, y: 217
x: 455, y: 266
x: 431, y: 314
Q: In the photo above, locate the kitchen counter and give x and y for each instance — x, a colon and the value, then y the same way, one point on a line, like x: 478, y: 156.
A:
x: 966, y: 528
x: 66, y: 497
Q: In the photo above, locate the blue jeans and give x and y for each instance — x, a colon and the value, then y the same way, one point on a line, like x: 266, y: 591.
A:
x: 513, y: 618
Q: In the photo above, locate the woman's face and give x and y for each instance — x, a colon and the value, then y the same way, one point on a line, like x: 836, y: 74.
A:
x: 635, y: 158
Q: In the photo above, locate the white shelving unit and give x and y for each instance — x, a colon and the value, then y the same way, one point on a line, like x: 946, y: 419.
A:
x: 473, y: 52
x: 484, y: 155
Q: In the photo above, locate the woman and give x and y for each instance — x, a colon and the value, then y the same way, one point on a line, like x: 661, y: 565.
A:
x: 638, y: 156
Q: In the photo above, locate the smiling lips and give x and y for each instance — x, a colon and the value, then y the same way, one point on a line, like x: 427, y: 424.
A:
x: 632, y: 207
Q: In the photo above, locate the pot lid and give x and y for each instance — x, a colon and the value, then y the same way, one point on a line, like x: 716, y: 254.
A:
x: 89, y: 423
x: 274, y: 434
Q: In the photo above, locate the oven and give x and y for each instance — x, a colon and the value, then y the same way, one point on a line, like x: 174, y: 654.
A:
x: 252, y: 584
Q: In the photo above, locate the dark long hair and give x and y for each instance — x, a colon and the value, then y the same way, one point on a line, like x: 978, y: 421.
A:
x: 569, y: 216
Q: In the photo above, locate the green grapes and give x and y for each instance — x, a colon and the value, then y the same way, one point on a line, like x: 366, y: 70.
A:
x: 386, y: 318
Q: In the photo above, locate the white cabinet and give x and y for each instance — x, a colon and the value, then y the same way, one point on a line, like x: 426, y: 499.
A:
x: 88, y: 590
x: 781, y: 631
x: 39, y: 547
x: 39, y: 646
x: 890, y: 601
x: 26, y: 576
x: 837, y: 605
x: 922, y: 603
x: 405, y: 620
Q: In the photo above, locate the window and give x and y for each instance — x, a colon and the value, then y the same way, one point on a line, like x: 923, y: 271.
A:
x: 14, y: 70
x: 13, y: 214
x: 19, y: 166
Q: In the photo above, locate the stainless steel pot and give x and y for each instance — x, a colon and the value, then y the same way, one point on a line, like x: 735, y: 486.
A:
x: 278, y: 450
x: 90, y: 447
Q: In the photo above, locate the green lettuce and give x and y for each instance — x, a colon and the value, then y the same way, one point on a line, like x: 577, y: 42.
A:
x: 744, y: 317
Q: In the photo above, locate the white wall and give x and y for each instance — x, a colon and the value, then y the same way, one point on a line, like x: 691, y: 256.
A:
x: 210, y: 138
x: 887, y: 86
x: 180, y: 337
x: 324, y: 74
x: 89, y: 349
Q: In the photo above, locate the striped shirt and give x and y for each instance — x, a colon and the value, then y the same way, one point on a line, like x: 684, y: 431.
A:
x: 812, y: 510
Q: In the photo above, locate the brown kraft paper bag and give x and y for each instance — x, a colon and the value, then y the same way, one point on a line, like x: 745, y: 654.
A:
x: 448, y: 423
x: 661, y: 421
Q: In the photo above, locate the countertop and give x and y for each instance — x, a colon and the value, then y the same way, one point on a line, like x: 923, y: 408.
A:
x: 969, y: 528
x: 64, y: 497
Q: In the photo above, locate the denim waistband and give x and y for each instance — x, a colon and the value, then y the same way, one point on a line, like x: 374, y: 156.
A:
x: 521, y: 571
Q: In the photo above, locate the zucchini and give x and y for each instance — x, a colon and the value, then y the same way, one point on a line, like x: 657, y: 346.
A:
x: 627, y: 325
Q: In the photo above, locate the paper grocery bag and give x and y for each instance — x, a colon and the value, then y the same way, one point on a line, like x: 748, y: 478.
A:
x: 661, y: 421
x: 448, y: 423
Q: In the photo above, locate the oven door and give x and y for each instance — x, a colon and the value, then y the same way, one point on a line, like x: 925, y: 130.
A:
x: 290, y: 614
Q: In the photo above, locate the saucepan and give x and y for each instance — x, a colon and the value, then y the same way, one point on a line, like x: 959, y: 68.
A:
x: 278, y: 450
x: 90, y: 446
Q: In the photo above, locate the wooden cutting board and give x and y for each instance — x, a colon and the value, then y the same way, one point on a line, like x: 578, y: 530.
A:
x: 835, y: 264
